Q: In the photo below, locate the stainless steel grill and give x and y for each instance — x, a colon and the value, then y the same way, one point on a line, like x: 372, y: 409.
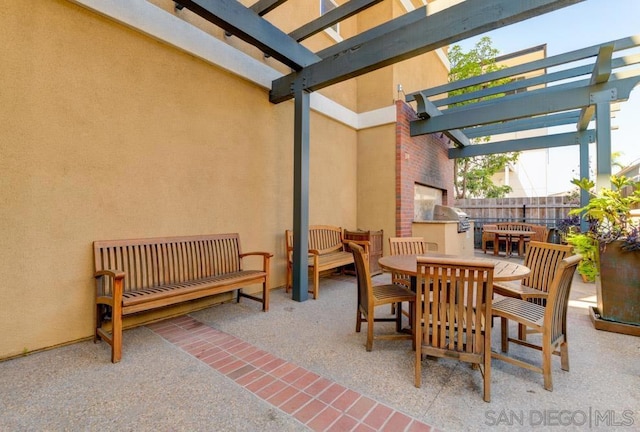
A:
x: 444, y: 213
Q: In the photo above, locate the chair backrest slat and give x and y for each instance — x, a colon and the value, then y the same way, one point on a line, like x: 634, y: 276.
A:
x: 558, y: 301
x: 363, y: 275
x: 408, y: 246
x: 543, y: 260
x: 459, y: 304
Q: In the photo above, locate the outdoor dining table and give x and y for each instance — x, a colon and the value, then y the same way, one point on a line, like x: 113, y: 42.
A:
x: 510, y: 235
x: 408, y: 265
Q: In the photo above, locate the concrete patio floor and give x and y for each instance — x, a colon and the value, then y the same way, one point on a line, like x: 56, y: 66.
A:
x: 301, y: 366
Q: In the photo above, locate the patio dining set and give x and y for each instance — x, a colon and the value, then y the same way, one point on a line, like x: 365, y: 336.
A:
x: 452, y: 306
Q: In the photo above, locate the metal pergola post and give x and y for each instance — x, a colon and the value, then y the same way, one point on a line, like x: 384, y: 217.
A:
x: 301, y: 194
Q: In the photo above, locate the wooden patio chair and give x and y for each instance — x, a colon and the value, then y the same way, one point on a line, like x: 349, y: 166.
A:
x: 543, y: 260
x: 550, y: 320
x: 452, y: 320
x: 370, y: 296
x: 408, y: 246
x: 490, y: 237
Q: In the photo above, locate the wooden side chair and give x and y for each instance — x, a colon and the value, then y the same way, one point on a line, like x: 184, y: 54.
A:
x: 490, y: 237
x: 408, y: 246
x: 540, y: 234
x: 370, y: 296
x: 543, y: 260
x: 550, y: 320
x: 452, y: 320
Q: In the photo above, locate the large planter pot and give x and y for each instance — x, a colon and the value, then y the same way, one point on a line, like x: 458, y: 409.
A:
x: 618, y: 285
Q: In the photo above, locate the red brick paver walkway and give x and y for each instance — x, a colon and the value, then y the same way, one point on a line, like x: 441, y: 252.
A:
x: 317, y: 402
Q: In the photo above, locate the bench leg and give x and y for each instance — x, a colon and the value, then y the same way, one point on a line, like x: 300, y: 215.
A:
x: 96, y: 336
x: 316, y: 283
x: 116, y: 332
x: 265, y: 296
x: 288, y: 282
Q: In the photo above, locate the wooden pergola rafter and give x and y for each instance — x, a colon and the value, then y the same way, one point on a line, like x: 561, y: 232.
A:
x: 425, y: 29
x: 571, y: 95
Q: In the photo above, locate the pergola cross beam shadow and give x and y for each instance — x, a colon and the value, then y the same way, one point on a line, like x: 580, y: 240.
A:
x: 424, y: 29
x: 568, y: 95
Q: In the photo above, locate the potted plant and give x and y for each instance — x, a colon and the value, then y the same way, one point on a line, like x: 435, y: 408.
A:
x: 588, y: 248
x: 613, y: 235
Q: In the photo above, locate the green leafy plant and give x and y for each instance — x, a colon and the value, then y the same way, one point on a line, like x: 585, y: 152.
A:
x: 609, y: 213
x: 587, y: 247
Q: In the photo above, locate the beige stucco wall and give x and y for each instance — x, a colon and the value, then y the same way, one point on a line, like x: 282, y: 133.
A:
x: 377, y: 180
x: 109, y: 134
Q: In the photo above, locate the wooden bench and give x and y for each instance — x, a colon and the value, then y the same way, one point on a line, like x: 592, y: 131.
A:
x: 138, y: 275
x: 327, y: 250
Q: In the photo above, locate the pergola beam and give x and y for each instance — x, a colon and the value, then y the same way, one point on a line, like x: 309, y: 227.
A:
x: 552, y: 99
x: 532, y: 143
x: 601, y: 73
x: 244, y: 23
x: 572, y: 56
x: 451, y: 25
x: 537, y: 122
x: 426, y: 110
x: 530, y: 82
x: 332, y: 17
x: 263, y: 7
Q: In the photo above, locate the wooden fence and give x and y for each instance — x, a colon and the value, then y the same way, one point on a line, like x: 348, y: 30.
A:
x: 529, y: 209
x: 538, y: 210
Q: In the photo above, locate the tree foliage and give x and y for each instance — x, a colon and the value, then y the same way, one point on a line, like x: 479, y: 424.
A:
x: 473, y: 175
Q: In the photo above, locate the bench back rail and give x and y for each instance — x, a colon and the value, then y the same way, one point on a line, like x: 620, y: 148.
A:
x: 153, y: 262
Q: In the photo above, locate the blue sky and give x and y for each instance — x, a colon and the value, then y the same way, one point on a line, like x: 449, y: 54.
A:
x: 577, y: 26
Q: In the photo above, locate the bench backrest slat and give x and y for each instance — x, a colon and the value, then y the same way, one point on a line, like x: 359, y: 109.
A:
x: 169, y: 260
x: 323, y: 238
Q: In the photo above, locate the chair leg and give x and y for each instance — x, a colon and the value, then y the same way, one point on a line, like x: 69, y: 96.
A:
x: 398, y: 317
x: 522, y: 332
x: 358, y: 320
x: 417, y: 340
x: 487, y: 370
x: 564, y: 356
x: 370, y: 321
x: 546, y: 366
x: 504, y: 327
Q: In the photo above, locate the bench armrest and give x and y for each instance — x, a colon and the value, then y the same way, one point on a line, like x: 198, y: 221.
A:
x: 116, y: 274
x: 266, y: 256
x: 115, y: 299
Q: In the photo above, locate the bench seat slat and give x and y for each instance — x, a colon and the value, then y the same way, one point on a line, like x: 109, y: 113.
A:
x: 151, y: 294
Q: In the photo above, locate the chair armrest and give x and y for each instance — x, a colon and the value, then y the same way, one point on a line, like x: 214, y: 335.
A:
x: 518, y: 291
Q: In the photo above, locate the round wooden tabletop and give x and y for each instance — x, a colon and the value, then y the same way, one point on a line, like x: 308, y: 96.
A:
x: 510, y: 232
x: 407, y: 264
